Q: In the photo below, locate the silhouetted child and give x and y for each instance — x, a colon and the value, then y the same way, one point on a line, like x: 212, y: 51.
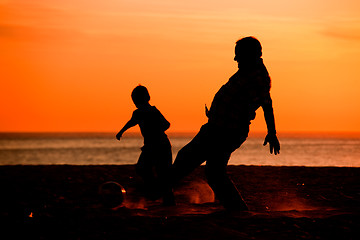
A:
x: 156, y: 156
x: 232, y: 109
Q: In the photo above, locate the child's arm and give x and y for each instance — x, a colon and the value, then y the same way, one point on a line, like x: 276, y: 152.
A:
x: 131, y: 123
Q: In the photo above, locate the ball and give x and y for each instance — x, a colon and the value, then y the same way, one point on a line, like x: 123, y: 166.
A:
x: 112, y: 194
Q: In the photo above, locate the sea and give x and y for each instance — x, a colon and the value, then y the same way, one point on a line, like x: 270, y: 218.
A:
x: 297, y: 149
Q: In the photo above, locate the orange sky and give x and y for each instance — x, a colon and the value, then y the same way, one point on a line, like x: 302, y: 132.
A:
x: 70, y: 65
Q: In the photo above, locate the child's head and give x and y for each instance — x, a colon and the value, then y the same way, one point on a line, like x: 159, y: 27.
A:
x: 247, y: 48
x: 140, y: 96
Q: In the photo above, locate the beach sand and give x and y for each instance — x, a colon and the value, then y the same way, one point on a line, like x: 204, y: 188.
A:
x: 63, y: 202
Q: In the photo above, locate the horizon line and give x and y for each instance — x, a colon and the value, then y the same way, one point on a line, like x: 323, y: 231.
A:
x: 191, y: 133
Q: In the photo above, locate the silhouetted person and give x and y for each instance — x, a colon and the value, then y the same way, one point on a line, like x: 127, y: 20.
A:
x: 156, y: 157
x: 229, y: 117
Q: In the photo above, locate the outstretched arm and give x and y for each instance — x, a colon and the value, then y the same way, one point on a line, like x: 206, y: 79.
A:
x: 271, y: 137
x: 128, y: 125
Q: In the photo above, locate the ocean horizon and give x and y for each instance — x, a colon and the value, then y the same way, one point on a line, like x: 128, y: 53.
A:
x: 318, y: 149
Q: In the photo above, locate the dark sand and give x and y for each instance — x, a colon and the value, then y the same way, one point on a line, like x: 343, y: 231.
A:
x: 63, y: 202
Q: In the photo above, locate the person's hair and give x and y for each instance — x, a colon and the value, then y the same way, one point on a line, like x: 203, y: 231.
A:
x: 248, y: 47
x: 140, y: 95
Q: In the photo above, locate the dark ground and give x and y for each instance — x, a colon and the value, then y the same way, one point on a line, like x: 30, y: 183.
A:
x: 63, y: 202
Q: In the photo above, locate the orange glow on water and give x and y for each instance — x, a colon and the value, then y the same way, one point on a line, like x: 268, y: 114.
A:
x: 71, y: 65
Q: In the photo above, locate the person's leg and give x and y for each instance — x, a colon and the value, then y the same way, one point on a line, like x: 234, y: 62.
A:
x: 223, y: 187
x: 144, y: 168
x: 190, y: 156
x: 218, y: 179
x: 162, y: 167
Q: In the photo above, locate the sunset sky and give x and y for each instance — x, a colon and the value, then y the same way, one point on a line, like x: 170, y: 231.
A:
x: 70, y: 65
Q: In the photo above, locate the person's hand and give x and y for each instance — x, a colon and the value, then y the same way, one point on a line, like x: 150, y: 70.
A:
x: 206, y: 111
x: 273, y: 142
x: 118, y: 136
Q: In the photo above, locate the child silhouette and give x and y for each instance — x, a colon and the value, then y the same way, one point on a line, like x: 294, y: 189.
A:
x: 156, y: 157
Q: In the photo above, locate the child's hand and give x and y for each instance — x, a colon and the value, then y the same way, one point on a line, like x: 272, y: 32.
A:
x: 118, y: 136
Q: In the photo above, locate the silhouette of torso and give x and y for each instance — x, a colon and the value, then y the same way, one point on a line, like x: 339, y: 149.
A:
x: 234, y: 105
x: 152, y: 125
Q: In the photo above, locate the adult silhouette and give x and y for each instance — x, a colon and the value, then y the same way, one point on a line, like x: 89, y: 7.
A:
x: 229, y: 117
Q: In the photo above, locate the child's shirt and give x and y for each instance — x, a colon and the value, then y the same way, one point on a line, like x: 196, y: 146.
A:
x: 152, y: 125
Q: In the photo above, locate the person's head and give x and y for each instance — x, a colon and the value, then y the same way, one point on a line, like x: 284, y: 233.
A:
x: 140, y: 96
x: 247, y: 49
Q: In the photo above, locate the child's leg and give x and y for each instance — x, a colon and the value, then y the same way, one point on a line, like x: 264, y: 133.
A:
x: 163, y: 165
x: 144, y: 168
